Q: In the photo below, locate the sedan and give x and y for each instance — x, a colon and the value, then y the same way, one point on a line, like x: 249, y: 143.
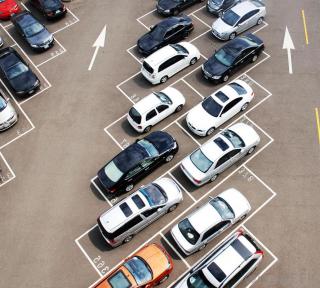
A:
x: 217, y: 154
x: 154, y: 108
x: 240, y: 18
x: 231, y: 57
x: 32, y: 31
x: 168, y: 31
x: 192, y: 234
x: 16, y: 72
x: 218, y: 7
x: 7, y: 8
x: 146, y: 268
x: 174, y: 7
x: 137, y: 161
x: 219, y: 107
x: 8, y: 115
x: 51, y: 9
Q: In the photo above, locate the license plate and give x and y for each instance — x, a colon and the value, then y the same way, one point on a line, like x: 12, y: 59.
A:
x: 58, y: 12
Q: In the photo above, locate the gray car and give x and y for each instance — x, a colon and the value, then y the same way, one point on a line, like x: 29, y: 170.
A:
x: 238, y: 19
x: 217, y: 7
x: 8, y: 115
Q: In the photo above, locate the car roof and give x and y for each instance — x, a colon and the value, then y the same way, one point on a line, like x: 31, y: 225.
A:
x: 168, y: 22
x: 228, y: 91
x: 147, y: 103
x: 237, y: 45
x: 160, y: 56
x: 161, y: 140
x: 25, y: 18
x: 212, y: 150
x: 243, y: 8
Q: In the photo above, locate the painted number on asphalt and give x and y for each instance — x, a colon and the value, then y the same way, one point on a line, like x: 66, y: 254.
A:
x: 245, y: 174
x: 100, y: 264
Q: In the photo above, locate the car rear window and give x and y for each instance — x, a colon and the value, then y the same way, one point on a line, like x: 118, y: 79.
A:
x: 135, y: 115
x: 147, y: 67
x: 241, y: 249
x: 216, y: 272
x: 179, y: 48
x: 125, y: 209
x: 238, y: 88
x: 138, y: 201
x: 223, y: 145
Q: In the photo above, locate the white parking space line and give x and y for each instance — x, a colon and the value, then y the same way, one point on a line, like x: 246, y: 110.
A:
x: 58, y: 53
x: 265, y: 24
x: 183, y: 188
x: 114, y: 139
x: 185, y: 131
x: 195, y: 11
x: 24, y: 6
x: 8, y: 25
x: 69, y: 23
x: 175, y: 251
x: 114, y: 122
x: 194, y: 89
x: 255, y: 124
x: 99, y: 190
x: 35, y: 95
x: 136, y: 58
x: 204, y: 23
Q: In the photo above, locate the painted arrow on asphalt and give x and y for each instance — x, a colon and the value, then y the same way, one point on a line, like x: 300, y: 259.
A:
x: 288, y: 44
x: 99, y: 43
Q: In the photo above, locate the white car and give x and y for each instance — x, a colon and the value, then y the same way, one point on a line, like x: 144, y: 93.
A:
x: 8, y: 115
x: 155, y: 107
x: 219, y: 107
x: 125, y: 219
x: 192, y: 233
x: 169, y: 60
x: 226, y: 266
x: 220, y: 152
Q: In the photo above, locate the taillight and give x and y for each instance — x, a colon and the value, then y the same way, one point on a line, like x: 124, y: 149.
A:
x: 240, y: 231
x: 111, y: 241
x: 252, y: 94
x: 112, y: 190
x: 197, y: 181
x: 140, y: 127
x: 260, y: 252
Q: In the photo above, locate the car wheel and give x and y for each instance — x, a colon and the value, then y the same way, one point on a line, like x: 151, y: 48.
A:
x: 193, y: 61
x: 202, y: 247
x: 169, y: 158
x: 225, y: 78
x: 220, y: 14
x: 260, y: 20
x: 179, y: 108
x: 251, y: 150
x: 232, y: 35
x: 210, y: 131
x: 128, y: 239
x: 163, y: 279
x: 172, y: 208
x: 164, y: 79
x: 147, y: 129
x: 244, y: 106
x: 129, y: 187
x: 254, y: 58
x: 214, y: 177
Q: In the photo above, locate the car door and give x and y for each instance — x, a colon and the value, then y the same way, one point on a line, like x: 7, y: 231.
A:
x: 152, y: 118
x: 177, y: 63
x: 132, y: 175
x: 230, y: 110
x: 243, y: 23
x: 252, y: 20
x: 163, y: 111
x: 148, y: 164
x: 215, y: 231
x: 174, y: 34
x: 153, y: 214
x: 221, y: 165
x: 234, y: 156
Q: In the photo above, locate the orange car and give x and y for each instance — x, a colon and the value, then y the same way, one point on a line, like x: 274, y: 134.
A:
x: 148, y: 267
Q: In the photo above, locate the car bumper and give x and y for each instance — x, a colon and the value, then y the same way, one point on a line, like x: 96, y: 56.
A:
x: 162, y: 12
x: 195, y: 131
x: 185, y: 172
x: 214, y: 81
x: 9, y: 123
x: 43, y: 47
x: 153, y: 81
x: 219, y: 36
x: 212, y: 10
x: 57, y: 15
x: 134, y: 125
x: 30, y: 91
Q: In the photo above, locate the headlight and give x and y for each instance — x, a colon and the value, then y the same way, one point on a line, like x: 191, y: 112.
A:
x: 216, y: 77
x: 36, y: 83
x: 167, y: 11
x: 34, y: 46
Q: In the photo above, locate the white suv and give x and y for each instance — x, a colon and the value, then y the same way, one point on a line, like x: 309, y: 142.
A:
x: 154, y: 108
x: 169, y: 60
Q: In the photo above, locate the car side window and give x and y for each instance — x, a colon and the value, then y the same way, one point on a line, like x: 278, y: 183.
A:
x: 133, y: 172
x: 147, y: 162
x: 127, y: 226
x: 161, y: 108
x: 252, y: 13
x: 233, y: 153
x: 214, y: 229
x: 170, y: 62
x: 151, y: 114
x: 173, y: 31
x: 231, y: 105
x: 244, y: 18
x: 222, y: 160
x: 150, y: 212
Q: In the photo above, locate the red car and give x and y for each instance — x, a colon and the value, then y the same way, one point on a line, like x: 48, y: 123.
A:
x: 8, y: 7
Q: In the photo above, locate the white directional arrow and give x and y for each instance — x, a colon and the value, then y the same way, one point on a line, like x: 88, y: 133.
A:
x: 97, y: 44
x: 288, y: 44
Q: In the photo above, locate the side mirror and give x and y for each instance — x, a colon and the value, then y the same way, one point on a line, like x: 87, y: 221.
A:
x: 151, y: 27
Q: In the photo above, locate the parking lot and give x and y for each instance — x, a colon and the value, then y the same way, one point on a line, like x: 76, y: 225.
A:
x: 76, y: 122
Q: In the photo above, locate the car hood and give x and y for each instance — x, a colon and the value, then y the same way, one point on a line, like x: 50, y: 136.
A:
x: 175, y: 96
x: 24, y: 82
x: 147, y: 42
x: 200, y: 118
x: 214, y: 67
x: 39, y: 38
x: 221, y: 27
x: 7, y: 113
x: 171, y: 189
x: 7, y: 5
x: 167, y: 4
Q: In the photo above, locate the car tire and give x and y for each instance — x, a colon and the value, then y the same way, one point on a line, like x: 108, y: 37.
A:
x: 163, y: 279
x: 147, y: 129
x: 225, y: 78
x: 129, y: 187
x: 260, y: 20
x: 251, y: 150
x: 254, y: 58
x: 214, y: 177
x: 172, y: 208
x: 169, y: 158
x: 164, y: 79
x: 232, y: 35
x: 210, y: 131
x: 127, y: 239
x: 193, y: 61
x: 244, y: 106
x: 179, y: 108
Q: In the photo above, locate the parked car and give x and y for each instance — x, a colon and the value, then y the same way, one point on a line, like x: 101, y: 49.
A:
x: 174, y: 7
x: 217, y: 7
x: 239, y: 18
x: 227, y: 265
x: 32, y: 31
x: 148, y: 267
x: 16, y: 73
x: 154, y: 108
x: 125, y: 219
x: 137, y: 161
x: 8, y: 115
x: 7, y: 8
x: 231, y: 57
x: 1, y: 42
x: 192, y: 234
x: 169, y: 60
x: 220, y: 152
x: 219, y: 107
x: 168, y: 31
x: 51, y: 9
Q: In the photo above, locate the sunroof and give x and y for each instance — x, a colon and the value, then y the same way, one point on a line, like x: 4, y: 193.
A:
x: 125, y: 209
x: 223, y: 145
x: 223, y: 97
x: 138, y: 201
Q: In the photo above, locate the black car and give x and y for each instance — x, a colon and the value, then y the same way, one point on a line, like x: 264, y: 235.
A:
x: 16, y: 72
x: 51, y: 9
x: 174, y: 7
x: 168, y: 31
x: 32, y: 31
x: 217, y: 7
x: 231, y: 57
x: 137, y: 161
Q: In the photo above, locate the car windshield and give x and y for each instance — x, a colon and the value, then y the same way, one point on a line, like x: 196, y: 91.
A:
x: 139, y: 269
x: 113, y: 172
x: 154, y: 194
x: 179, y: 48
x: 235, y: 139
x: 163, y: 97
x: 200, y: 161
x: 189, y: 233
x: 16, y: 70
x: 217, y: 2
x: 211, y: 106
x: 33, y: 29
x: 3, y: 104
x: 198, y: 280
x: 224, y: 57
x: 158, y: 32
x: 230, y: 17
x: 223, y: 208
x: 150, y: 149
x: 119, y: 280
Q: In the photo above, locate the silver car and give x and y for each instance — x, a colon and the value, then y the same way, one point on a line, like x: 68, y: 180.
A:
x: 239, y: 18
x: 120, y: 223
x: 8, y: 115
